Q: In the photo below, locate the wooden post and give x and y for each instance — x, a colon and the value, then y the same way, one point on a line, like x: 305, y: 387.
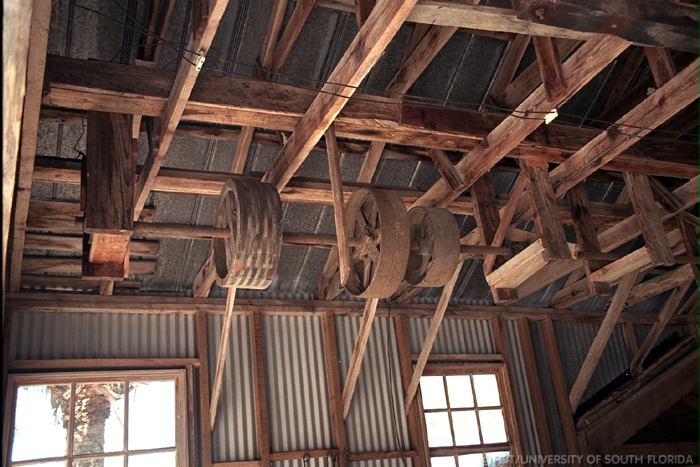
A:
x: 262, y: 424
x: 204, y: 420
x: 335, y: 398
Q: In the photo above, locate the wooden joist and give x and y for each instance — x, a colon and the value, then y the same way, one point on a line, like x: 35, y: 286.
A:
x: 580, y: 68
x: 630, y: 128
x: 36, y: 61
x: 670, y: 25
x: 358, y: 353
x: 358, y: 60
x: 72, y: 303
x: 179, y: 94
x: 430, y: 337
x: 68, y: 265
x: 81, y: 84
x: 595, y: 352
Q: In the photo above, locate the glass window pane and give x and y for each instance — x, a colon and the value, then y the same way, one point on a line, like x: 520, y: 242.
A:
x: 492, y: 426
x: 466, y: 428
x: 112, y: 461
x: 99, y: 418
x: 161, y: 459
x: 459, y: 390
x: 486, y: 388
x: 471, y: 460
x: 433, y: 392
x: 42, y: 413
x: 442, y: 461
x: 498, y: 459
x: 151, y: 404
x: 47, y: 464
x: 438, y: 426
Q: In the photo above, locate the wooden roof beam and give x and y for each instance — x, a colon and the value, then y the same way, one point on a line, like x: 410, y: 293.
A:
x: 578, y: 70
x: 364, y: 51
x: 196, y: 51
x: 670, y: 26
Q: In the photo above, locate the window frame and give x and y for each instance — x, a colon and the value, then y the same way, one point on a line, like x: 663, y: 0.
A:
x: 83, y: 377
x: 509, y: 414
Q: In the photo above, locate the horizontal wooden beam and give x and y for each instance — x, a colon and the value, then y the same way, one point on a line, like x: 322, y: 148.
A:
x: 33, y: 241
x: 84, y: 85
x: 61, y: 264
x: 465, y: 14
x: 102, y: 363
x: 73, y: 303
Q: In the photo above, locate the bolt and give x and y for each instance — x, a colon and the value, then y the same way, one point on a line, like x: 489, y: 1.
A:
x: 540, y: 13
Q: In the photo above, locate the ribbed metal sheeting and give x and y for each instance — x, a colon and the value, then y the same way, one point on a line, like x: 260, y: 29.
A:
x: 376, y: 421
x: 574, y: 341
x: 233, y: 437
x: 520, y: 389
x: 455, y: 336
x: 641, y: 331
x: 296, y: 381
x: 102, y: 335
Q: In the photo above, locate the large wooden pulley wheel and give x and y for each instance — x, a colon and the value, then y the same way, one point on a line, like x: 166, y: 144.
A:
x: 248, y: 257
x: 434, y: 251
x: 378, y: 240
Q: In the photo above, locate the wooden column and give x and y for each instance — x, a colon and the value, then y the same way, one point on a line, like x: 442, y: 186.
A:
x: 204, y: 420
x: 413, y: 416
x: 262, y: 424
x: 335, y: 397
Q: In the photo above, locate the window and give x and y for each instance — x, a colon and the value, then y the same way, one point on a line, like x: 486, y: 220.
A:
x: 98, y: 419
x: 466, y: 416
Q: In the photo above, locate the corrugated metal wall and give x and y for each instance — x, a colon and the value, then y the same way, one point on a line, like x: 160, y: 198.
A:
x: 101, y: 335
x: 574, y: 340
x: 455, y: 336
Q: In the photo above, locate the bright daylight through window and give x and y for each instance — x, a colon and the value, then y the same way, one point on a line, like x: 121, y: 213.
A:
x: 464, y: 418
x: 98, y: 419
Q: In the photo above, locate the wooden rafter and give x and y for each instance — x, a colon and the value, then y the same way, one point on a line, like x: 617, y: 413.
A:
x: 467, y: 15
x: 358, y: 60
x: 577, y: 70
x: 80, y: 84
x: 509, y: 66
x: 196, y: 50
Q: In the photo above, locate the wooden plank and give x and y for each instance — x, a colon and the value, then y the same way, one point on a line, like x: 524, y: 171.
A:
x: 601, y: 340
x: 466, y: 15
x: 506, y: 216
x: 68, y: 265
x: 430, y: 338
x: 35, y: 241
x: 101, y: 363
x: 635, y: 409
x: 291, y: 33
x: 338, y: 204
x: 485, y: 209
x: 584, y: 227
x: 533, y: 382
x: 657, y: 23
x: 542, y: 200
x: 630, y: 337
x: 635, y: 124
x: 668, y: 309
x: 578, y: 70
x: 361, y: 55
x: 508, y: 68
x: 335, y: 397
x: 561, y: 394
x: 203, y: 382
x: 549, y: 65
x: 205, y: 278
x: 362, y: 10
x: 262, y: 423
x: 661, y: 65
x: 70, y: 284
x: 17, y: 21
x: 77, y: 84
x: 444, y: 166
x: 221, y: 357
x: 358, y: 353
x: 36, y: 62
x: 413, y: 417
x: 195, y: 52
x: 649, y: 218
